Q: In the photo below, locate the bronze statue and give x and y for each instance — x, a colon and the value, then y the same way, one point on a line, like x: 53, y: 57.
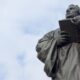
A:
x: 61, y: 56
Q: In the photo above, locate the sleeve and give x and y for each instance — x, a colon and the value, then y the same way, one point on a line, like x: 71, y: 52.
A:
x: 44, y: 45
x: 47, y: 52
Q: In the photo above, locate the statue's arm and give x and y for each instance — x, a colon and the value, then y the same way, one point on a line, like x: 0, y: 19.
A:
x: 44, y: 45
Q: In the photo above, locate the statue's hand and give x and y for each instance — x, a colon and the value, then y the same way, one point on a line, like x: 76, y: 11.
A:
x: 63, y: 38
x: 76, y: 20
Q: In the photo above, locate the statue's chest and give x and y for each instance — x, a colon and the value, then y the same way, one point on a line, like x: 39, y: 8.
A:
x: 69, y: 62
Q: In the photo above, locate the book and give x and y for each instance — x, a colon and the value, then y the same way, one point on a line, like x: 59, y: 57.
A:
x: 72, y: 29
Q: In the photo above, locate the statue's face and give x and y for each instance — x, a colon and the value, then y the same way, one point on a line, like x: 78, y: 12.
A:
x: 72, y: 11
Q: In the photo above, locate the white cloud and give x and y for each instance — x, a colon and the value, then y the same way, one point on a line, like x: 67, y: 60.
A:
x: 17, y: 50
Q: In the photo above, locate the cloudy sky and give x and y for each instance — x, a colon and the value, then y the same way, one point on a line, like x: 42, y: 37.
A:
x: 22, y: 23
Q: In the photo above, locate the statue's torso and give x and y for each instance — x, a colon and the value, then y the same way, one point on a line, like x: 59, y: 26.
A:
x: 69, y: 62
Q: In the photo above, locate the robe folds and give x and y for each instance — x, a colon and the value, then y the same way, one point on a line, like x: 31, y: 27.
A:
x: 61, y: 63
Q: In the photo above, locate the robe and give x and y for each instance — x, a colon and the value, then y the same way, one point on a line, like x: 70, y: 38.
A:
x: 61, y: 63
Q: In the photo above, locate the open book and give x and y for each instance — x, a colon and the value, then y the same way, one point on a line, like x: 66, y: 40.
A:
x: 72, y: 29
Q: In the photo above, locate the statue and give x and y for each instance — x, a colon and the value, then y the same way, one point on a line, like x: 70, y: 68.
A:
x: 61, y: 56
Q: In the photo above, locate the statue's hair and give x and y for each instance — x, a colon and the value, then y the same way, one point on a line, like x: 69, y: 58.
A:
x: 76, y: 6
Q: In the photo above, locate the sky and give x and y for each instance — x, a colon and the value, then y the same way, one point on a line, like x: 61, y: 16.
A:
x: 22, y: 24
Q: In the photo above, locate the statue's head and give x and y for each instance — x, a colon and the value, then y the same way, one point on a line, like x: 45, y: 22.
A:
x: 72, y: 11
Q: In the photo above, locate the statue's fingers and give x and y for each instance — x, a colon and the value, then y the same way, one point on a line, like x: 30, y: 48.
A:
x: 66, y: 36
x: 64, y: 33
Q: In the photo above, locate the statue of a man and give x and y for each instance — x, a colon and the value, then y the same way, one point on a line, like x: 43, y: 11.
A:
x: 60, y: 56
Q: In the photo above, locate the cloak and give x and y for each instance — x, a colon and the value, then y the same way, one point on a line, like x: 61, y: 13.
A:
x: 61, y: 63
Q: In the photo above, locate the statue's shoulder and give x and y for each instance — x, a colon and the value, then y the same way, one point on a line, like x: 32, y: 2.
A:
x: 57, y: 30
x: 53, y: 31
